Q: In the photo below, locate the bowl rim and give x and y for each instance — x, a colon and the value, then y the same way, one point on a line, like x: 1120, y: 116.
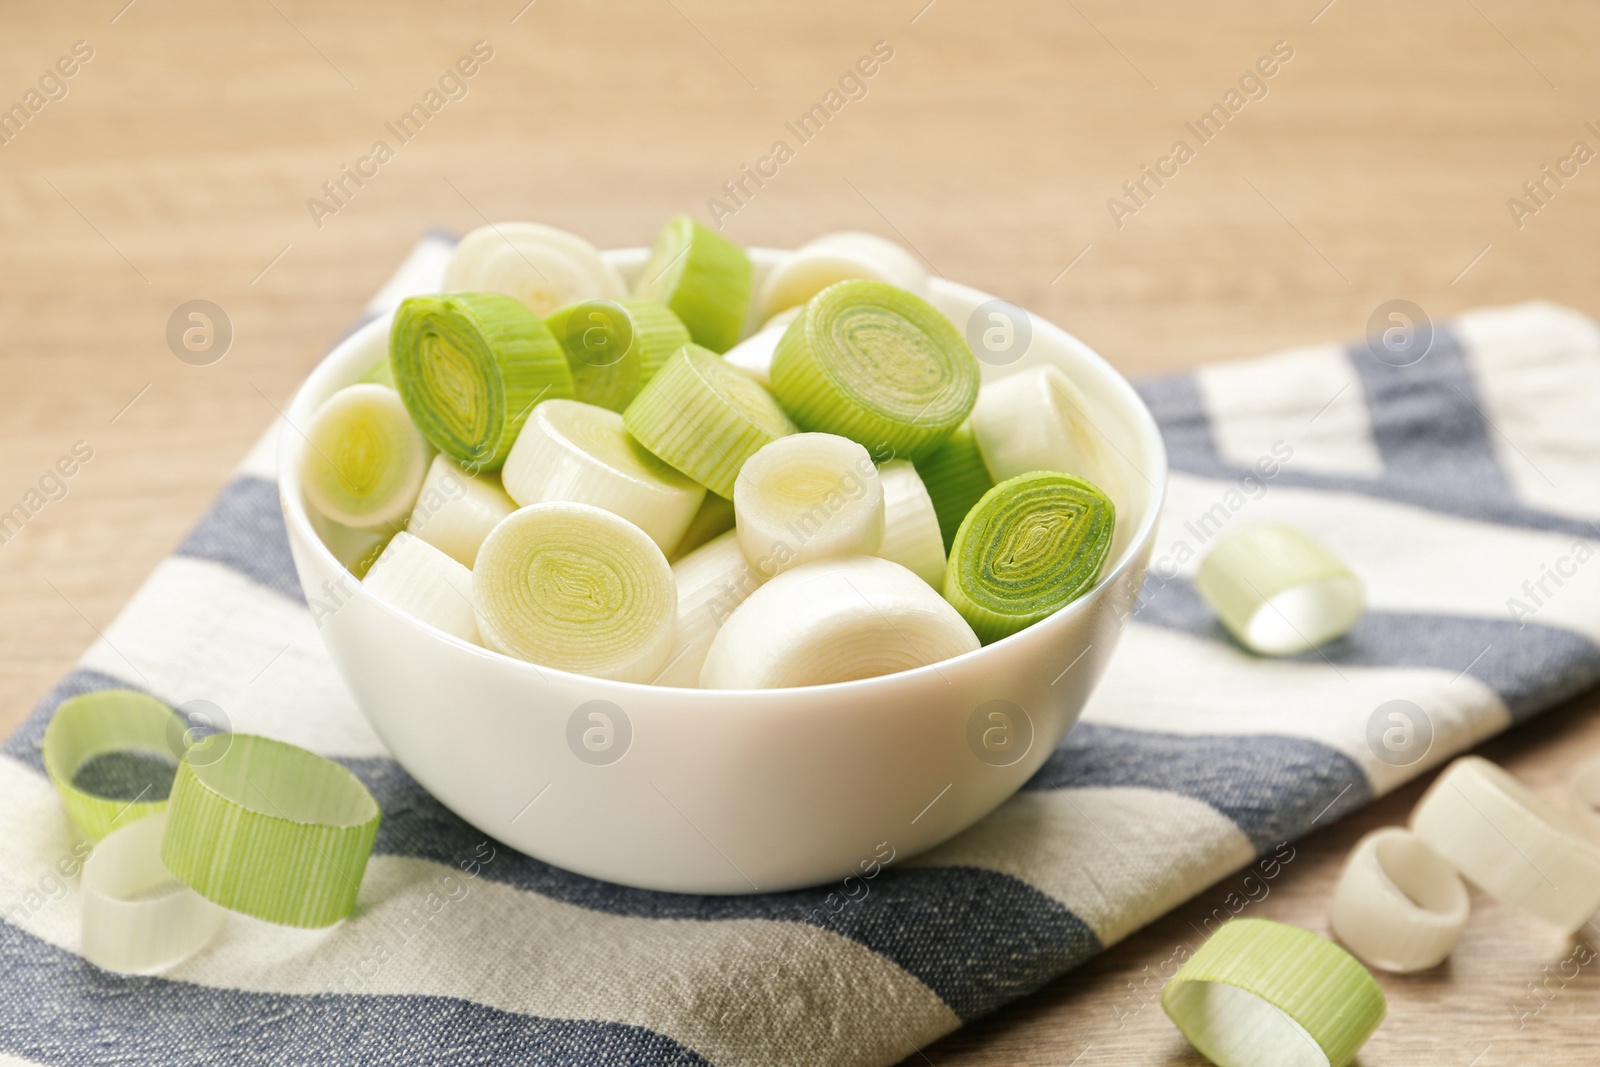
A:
x: 1143, y: 421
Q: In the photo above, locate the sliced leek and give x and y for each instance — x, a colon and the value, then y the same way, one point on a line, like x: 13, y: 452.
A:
x: 1264, y: 994
x: 1038, y: 420
x: 426, y: 584
x: 910, y: 524
x: 456, y: 509
x: 269, y: 829
x: 703, y: 277
x: 1030, y: 547
x: 583, y: 454
x: 364, y: 460
x: 1510, y: 843
x: 712, y: 581
x: 806, y: 497
x: 1398, y: 905
x: 577, y: 588
x: 878, y: 365
x: 705, y: 418
x: 614, y: 348
x: 836, y: 257
x: 140, y: 731
x: 470, y: 366
x: 835, y: 620
x: 753, y: 355
x: 540, y: 266
x: 1278, y: 592
x: 138, y: 918
x: 956, y: 479
x: 713, y: 519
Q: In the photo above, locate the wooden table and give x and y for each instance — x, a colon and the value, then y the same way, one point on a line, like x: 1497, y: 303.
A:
x: 1377, y: 165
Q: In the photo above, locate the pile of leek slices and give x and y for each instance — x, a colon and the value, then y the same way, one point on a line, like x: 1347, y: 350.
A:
x: 633, y: 484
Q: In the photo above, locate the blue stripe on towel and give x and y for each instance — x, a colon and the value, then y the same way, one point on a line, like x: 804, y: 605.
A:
x: 92, y: 1019
x: 1428, y: 424
x: 1530, y: 666
x: 243, y: 529
x: 1273, y: 788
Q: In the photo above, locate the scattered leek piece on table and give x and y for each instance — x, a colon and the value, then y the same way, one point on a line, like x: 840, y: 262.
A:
x: 1264, y: 994
x: 712, y: 581
x: 1278, y: 592
x: 1398, y: 905
x: 835, y: 620
x: 1510, y: 843
x: 540, y: 266
x: 806, y: 497
x: 703, y: 277
x: 878, y: 365
x: 456, y: 509
x: 1030, y: 547
x: 364, y: 459
x: 911, y: 534
x: 956, y: 479
x: 577, y: 588
x: 582, y: 454
x: 470, y: 366
x: 838, y: 257
x: 268, y: 829
x: 111, y: 722
x: 705, y: 418
x: 426, y: 584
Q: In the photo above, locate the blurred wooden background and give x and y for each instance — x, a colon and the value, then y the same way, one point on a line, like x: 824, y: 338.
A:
x: 1377, y: 165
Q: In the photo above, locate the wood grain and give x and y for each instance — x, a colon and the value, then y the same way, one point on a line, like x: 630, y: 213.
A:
x: 1377, y: 165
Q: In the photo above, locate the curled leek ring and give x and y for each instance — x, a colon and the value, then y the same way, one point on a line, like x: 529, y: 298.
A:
x: 878, y: 365
x: 835, y: 620
x: 269, y: 829
x: 138, y: 918
x: 540, y: 266
x: 581, y: 453
x: 364, y: 461
x: 1263, y: 994
x: 1398, y: 905
x: 703, y: 277
x: 577, y: 588
x: 1278, y: 592
x: 705, y: 418
x: 1030, y: 547
x: 1510, y: 843
x: 104, y: 723
x: 470, y: 366
x: 837, y: 257
x: 806, y: 497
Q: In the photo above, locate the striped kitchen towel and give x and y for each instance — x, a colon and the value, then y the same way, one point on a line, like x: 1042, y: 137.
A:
x: 1461, y: 486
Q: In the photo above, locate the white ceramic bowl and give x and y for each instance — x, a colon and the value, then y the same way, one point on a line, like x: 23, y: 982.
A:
x: 726, y: 791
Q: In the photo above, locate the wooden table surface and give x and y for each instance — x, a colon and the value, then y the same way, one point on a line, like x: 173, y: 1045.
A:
x: 1378, y: 164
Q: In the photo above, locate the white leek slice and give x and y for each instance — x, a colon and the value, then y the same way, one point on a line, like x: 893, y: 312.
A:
x: 1510, y: 843
x: 806, y: 497
x: 910, y: 525
x: 138, y: 918
x: 1278, y: 592
x: 1038, y: 420
x: 835, y: 620
x: 753, y: 355
x: 582, y: 454
x: 705, y: 417
x: 836, y: 257
x: 1264, y: 994
x: 577, y: 588
x: 714, y: 519
x: 541, y: 266
x: 364, y: 459
x: 712, y: 581
x: 1398, y: 905
x: 1584, y: 794
x: 456, y: 510
x: 426, y: 584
